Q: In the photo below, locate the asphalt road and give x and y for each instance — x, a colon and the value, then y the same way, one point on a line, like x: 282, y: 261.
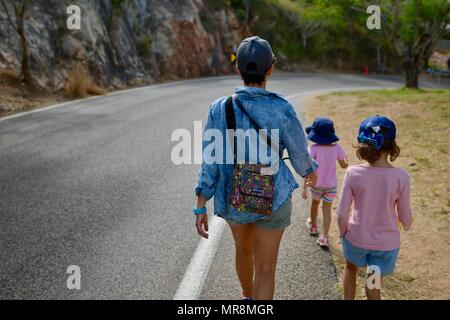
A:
x: 92, y: 184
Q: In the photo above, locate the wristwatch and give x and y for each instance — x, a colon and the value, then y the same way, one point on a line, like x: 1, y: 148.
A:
x: 199, y: 210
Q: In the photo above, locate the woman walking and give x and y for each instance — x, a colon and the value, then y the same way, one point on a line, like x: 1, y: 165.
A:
x: 254, y: 200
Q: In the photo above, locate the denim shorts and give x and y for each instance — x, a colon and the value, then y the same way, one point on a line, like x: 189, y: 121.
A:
x: 360, y: 257
x: 279, y: 219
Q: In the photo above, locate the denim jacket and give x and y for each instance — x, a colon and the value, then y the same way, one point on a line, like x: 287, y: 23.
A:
x: 270, y: 111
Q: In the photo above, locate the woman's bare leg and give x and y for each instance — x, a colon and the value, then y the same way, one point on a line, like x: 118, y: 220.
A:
x: 349, y: 281
x: 243, y: 235
x: 266, y: 247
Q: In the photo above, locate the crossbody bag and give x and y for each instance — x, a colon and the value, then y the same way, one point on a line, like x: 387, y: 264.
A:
x: 251, y: 190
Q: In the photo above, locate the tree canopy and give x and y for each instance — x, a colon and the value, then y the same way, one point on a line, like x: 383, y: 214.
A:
x: 333, y: 33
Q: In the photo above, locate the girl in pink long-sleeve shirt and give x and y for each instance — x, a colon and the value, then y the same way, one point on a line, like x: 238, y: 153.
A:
x: 374, y: 197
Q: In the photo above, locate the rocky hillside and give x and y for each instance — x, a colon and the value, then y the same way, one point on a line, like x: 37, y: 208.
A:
x: 123, y: 42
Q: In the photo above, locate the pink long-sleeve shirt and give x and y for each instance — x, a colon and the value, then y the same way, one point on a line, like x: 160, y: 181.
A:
x: 380, y: 198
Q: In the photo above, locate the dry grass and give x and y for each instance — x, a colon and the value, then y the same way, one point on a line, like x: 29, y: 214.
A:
x: 10, y: 75
x: 423, y: 123
x: 80, y: 84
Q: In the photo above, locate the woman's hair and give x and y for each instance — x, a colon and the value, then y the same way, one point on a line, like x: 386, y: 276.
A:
x: 253, y: 78
x: 366, y: 151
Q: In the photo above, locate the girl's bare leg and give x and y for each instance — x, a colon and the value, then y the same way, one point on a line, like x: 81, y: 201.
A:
x: 349, y: 281
x: 326, y: 210
x: 314, y: 211
x: 373, y: 294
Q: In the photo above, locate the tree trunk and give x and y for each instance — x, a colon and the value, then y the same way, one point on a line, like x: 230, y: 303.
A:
x: 26, y: 73
x: 20, y: 11
x: 304, y: 41
x: 378, y: 59
x: 411, y: 76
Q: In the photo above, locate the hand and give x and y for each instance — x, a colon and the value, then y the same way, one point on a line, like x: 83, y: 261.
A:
x: 201, y: 222
x: 310, y: 180
x: 305, y: 194
x: 343, y: 163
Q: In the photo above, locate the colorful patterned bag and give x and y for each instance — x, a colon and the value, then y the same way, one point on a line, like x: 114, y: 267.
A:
x: 251, y: 191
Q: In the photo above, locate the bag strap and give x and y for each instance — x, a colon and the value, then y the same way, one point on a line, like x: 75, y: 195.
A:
x: 252, y: 121
x: 229, y: 112
x: 231, y: 122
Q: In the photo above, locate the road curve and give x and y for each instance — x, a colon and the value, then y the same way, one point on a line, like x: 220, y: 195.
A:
x: 92, y: 184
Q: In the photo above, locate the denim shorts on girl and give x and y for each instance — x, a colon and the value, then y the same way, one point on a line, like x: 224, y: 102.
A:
x: 325, y: 194
x: 360, y: 257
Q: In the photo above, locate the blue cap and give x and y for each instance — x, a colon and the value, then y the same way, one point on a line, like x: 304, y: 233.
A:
x: 254, y: 56
x: 322, y: 131
x: 370, y: 131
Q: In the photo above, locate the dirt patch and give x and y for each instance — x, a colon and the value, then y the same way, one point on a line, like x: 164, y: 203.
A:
x: 15, y: 96
x: 423, y: 124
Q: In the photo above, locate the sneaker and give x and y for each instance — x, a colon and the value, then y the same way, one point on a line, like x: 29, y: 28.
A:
x: 244, y: 298
x: 323, y: 241
x: 312, y: 227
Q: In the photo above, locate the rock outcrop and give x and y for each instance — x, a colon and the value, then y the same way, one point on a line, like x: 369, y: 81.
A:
x: 123, y: 42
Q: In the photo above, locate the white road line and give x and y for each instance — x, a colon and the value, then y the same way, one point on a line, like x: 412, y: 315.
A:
x: 195, y: 276
x: 197, y: 271
x: 21, y: 114
x: 154, y: 86
x: 114, y: 93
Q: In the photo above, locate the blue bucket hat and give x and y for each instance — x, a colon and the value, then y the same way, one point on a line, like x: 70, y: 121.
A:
x: 322, y: 131
x: 370, y: 131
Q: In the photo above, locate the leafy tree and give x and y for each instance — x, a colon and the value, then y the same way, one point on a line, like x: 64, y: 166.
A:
x: 412, y: 29
x: 311, y: 17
